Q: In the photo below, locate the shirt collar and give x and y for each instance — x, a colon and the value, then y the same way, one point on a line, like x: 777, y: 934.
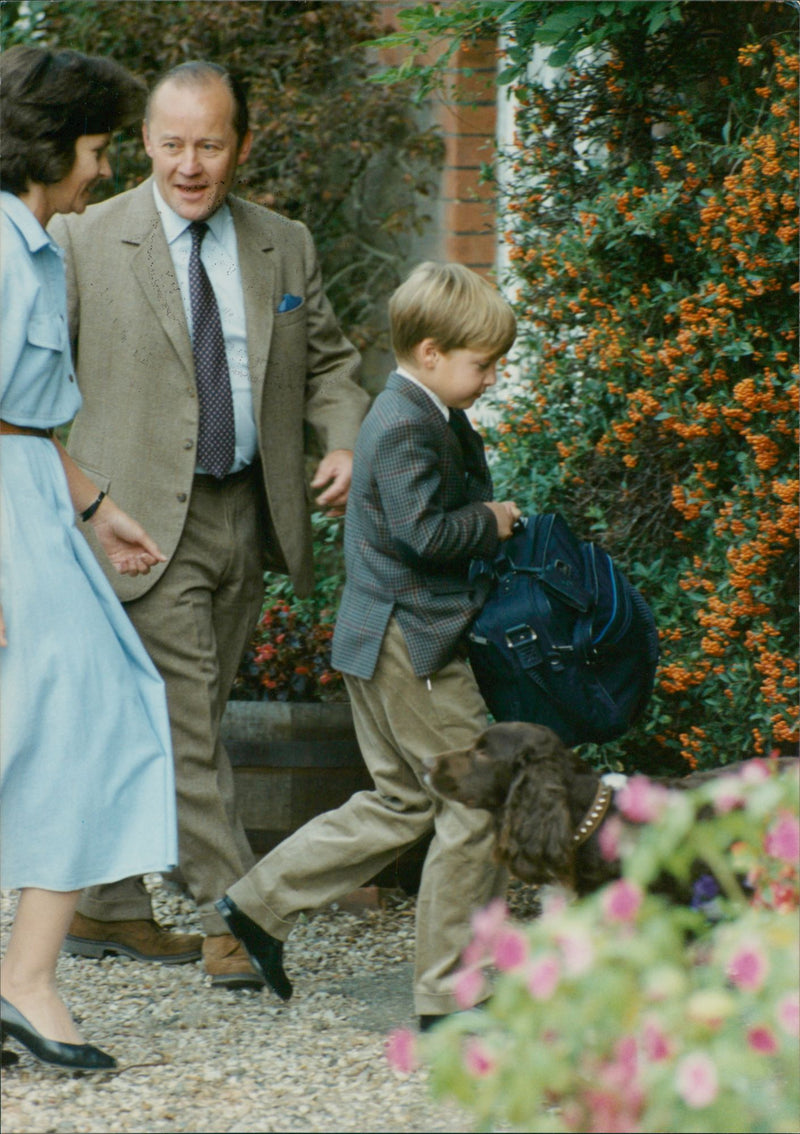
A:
x: 23, y: 219
x: 437, y: 401
x: 175, y: 225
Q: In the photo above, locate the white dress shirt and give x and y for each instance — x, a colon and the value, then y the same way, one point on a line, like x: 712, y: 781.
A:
x: 220, y: 255
x: 437, y: 401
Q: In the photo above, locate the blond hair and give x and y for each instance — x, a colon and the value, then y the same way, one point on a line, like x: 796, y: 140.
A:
x: 455, y: 307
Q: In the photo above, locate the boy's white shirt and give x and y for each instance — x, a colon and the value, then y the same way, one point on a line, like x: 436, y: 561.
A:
x: 437, y: 401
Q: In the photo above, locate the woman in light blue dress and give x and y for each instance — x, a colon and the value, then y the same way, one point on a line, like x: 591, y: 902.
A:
x: 86, y: 788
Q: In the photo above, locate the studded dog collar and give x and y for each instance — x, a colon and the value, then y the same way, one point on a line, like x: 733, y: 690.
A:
x: 595, y: 815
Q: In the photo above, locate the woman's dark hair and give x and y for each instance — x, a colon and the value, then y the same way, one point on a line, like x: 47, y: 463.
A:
x: 198, y: 73
x: 52, y: 98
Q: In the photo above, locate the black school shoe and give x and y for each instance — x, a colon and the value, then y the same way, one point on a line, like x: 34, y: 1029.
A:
x: 264, y: 950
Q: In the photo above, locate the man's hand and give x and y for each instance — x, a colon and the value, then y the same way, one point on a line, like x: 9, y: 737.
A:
x: 125, y: 542
x: 334, y: 470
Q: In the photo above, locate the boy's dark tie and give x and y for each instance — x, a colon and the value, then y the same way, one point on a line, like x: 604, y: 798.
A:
x: 217, y: 434
x: 471, y: 444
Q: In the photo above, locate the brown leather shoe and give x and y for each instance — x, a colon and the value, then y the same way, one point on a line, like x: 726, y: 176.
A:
x: 141, y: 940
x: 228, y: 964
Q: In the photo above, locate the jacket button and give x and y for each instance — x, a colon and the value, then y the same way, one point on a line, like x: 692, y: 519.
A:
x: 182, y: 497
x: 188, y: 444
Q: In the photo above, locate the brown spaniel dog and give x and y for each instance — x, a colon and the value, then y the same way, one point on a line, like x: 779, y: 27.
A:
x: 548, y: 803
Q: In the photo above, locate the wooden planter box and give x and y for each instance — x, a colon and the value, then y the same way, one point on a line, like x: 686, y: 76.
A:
x: 292, y: 761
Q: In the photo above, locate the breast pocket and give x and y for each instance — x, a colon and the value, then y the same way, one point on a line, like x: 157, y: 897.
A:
x: 297, y: 315
x: 47, y: 332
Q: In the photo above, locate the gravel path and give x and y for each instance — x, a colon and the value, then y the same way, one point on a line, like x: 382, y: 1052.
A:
x: 193, y: 1058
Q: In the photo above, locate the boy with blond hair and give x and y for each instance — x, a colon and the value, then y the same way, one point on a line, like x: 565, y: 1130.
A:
x: 419, y: 510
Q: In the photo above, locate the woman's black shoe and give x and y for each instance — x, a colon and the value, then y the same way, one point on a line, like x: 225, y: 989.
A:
x: 70, y: 1056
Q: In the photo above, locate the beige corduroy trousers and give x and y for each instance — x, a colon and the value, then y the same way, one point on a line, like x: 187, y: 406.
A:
x: 400, y: 720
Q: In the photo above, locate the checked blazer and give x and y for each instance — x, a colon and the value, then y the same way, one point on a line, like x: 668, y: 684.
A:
x: 414, y: 520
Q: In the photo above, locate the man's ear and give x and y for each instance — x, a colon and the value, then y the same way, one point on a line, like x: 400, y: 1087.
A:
x: 148, y: 147
x: 244, y: 149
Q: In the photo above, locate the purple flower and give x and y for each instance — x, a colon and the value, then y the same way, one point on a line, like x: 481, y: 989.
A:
x: 704, y: 890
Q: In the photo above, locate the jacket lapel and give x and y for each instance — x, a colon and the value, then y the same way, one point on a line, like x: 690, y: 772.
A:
x: 257, y: 267
x: 152, y: 266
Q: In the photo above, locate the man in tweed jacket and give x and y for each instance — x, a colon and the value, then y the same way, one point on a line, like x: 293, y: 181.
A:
x: 419, y: 509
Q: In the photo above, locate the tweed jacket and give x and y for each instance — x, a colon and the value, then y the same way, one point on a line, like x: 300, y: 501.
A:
x: 137, y: 430
x: 414, y: 520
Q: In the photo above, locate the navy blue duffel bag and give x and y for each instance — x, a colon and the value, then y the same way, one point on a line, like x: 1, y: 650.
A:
x: 563, y: 638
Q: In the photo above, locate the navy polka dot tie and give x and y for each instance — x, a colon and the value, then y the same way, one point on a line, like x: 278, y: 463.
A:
x: 217, y: 434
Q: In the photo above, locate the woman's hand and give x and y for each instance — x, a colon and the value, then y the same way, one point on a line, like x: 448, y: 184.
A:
x: 3, y: 639
x: 125, y: 542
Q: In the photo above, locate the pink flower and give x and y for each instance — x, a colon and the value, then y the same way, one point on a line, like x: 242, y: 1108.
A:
x: 656, y: 1044
x: 642, y: 801
x: 783, y: 839
x: 615, y: 1099
x: 510, y: 949
x: 609, y: 1112
x: 609, y: 838
x: 696, y: 1079
x: 577, y: 952
x: 554, y: 902
x: 755, y: 771
x: 474, y: 954
x: 400, y: 1050
x: 621, y: 900
x: 468, y: 987
x: 487, y: 923
x: 728, y: 793
x: 477, y: 1059
x: 543, y: 976
x: 748, y: 967
x: 789, y: 1013
x: 620, y: 1071
x: 762, y: 1040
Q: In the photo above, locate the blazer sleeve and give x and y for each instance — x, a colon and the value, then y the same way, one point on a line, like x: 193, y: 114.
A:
x: 409, y: 479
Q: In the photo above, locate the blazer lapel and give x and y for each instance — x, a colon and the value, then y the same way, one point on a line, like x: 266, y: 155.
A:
x: 152, y: 266
x: 257, y: 268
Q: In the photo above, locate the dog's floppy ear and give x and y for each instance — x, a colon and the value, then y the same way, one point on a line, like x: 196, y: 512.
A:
x: 535, y: 837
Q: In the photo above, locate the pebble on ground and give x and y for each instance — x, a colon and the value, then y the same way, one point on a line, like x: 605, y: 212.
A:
x: 196, y: 1059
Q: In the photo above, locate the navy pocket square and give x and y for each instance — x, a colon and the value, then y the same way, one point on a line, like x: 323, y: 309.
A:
x: 288, y: 303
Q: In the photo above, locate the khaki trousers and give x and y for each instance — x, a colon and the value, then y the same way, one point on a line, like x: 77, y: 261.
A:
x: 195, y: 623
x: 400, y: 720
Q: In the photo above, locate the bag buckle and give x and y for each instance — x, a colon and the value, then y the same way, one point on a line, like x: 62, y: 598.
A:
x: 524, y: 641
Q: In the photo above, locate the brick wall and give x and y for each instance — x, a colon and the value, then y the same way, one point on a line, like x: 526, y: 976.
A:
x: 467, y: 119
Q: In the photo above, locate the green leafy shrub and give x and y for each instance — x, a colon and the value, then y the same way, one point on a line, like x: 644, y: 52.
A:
x: 330, y: 148
x: 649, y: 208
x: 622, y: 1012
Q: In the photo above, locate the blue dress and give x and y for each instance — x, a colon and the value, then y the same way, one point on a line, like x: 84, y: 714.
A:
x: 87, y: 790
